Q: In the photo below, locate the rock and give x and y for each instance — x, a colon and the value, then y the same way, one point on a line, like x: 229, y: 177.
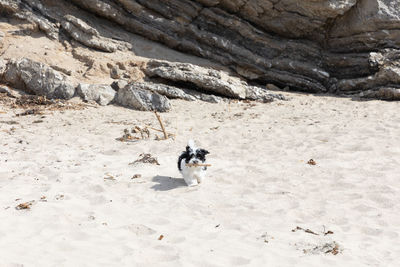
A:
x: 384, y: 93
x: 141, y: 99
x: 370, y: 24
x: 194, y: 81
x: 206, y: 79
x: 1, y: 39
x: 116, y: 85
x: 210, y: 98
x: 88, y: 36
x: 10, y: 92
x: 115, y: 72
x: 166, y: 90
x: 315, y: 46
x: 3, y: 67
x: 262, y: 95
x: 387, y: 63
x: 102, y: 94
x: 273, y: 87
x: 38, y: 78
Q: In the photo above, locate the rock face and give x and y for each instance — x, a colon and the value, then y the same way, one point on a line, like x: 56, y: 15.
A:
x: 207, y: 79
x: 141, y: 99
x: 83, y: 33
x: 37, y: 78
x: 313, y: 45
x: 195, y: 82
x: 102, y: 94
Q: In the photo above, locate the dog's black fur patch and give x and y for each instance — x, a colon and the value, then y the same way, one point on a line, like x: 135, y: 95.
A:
x: 187, y: 155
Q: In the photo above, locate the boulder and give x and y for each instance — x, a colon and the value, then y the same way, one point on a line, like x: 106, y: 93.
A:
x: 316, y: 46
x: 38, y: 78
x: 87, y: 35
x: 142, y: 99
x: 101, y: 93
x: 206, y: 79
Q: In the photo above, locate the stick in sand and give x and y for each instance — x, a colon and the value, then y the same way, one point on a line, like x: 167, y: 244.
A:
x: 162, y: 125
x: 198, y: 165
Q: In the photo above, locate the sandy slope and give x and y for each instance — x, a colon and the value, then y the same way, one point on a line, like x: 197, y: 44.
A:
x: 260, y: 186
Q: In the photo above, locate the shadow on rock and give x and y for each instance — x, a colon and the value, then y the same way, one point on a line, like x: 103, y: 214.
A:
x: 166, y: 183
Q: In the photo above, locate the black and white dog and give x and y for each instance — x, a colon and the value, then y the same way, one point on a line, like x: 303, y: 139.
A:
x: 193, y: 175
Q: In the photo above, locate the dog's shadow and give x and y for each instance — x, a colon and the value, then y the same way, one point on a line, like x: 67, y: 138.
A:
x: 166, y: 183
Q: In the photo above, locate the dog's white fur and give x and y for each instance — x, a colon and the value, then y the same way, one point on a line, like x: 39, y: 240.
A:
x: 193, y: 175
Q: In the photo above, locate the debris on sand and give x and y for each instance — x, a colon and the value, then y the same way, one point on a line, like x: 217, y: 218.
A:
x: 25, y: 205
x: 34, y: 104
x: 331, y: 247
x: 305, y: 230
x: 33, y: 111
x: 328, y: 233
x: 311, y: 162
x: 140, y: 133
x: 109, y: 177
x: 127, y: 137
x: 144, y: 132
x: 136, y: 176
x: 160, y: 237
x: 145, y: 158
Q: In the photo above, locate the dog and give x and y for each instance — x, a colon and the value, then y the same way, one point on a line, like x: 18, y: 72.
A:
x: 193, y: 175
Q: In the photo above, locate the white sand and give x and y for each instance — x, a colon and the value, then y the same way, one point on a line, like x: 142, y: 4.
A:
x: 260, y: 186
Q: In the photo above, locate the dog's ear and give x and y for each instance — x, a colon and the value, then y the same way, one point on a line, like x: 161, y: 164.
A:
x: 188, y: 149
x: 204, y: 152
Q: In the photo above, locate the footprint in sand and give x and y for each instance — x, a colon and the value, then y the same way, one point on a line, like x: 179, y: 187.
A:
x: 139, y: 229
x: 238, y: 261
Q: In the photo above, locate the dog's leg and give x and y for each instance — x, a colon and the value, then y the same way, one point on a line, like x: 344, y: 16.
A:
x: 200, y: 177
x: 190, y: 181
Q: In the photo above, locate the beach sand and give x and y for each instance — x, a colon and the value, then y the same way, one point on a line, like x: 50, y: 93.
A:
x: 262, y: 204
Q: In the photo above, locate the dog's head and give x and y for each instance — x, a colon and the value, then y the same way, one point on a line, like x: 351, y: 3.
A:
x: 193, y: 155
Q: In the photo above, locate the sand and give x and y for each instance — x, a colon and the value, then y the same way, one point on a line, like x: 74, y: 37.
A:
x: 88, y: 211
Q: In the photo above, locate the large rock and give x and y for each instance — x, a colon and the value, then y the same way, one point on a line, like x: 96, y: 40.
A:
x: 314, y: 45
x: 210, y: 80
x: 142, y: 99
x: 166, y: 90
x: 101, y: 93
x: 387, y: 63
x: 37, y: 78
x: 195, y: 81
x: 87, y: 35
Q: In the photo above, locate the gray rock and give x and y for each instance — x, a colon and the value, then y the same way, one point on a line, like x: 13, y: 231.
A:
x: 388, y: 64
x: 115, y: 72
x: 273, y: 87
x: 102, y: 94
x: 213, y: 81
x: 262, y: 95
x: 116, y: 85
x: 166, y: 90
x: 141, y: 99
x: 11, y: 92
x: 3, y: 67
x: 384, y: 93
x: 38, y: 78
x: 88, y: 36
x: 313, y: 46
x: 1, y: 39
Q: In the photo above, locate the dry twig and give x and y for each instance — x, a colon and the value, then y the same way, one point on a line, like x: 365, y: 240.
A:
x: 198, y: 165
x: 162, y: 125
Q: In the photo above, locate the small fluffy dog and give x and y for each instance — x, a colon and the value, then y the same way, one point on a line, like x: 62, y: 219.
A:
x: 192, y: 175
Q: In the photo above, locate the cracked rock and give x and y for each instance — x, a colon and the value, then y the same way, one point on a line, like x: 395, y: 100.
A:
x: 142, y: 99
x: 101, y: 93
